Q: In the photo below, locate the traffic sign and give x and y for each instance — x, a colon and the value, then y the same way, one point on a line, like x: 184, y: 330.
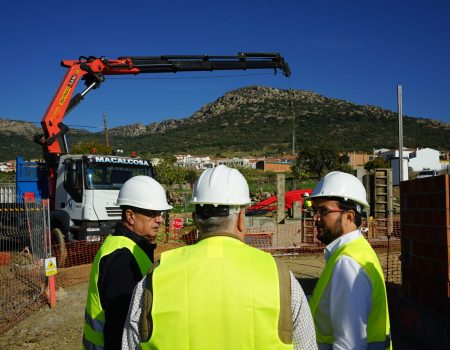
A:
x: 50, y: 266
x: 177, y: 223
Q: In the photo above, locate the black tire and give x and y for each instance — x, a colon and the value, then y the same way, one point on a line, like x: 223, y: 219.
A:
x: 58, y: 239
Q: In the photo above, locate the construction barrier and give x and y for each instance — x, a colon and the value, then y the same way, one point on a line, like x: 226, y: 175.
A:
x: 293, y: 241
x: 24, y: 243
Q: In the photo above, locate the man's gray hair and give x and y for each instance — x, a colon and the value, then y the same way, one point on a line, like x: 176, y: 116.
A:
x: 218, y: 224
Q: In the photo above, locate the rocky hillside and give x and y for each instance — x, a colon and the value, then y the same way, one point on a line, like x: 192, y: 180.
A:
x: 257, y: 120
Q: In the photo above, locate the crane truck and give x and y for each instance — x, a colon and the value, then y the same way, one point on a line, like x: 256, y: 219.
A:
x: 82, y: 188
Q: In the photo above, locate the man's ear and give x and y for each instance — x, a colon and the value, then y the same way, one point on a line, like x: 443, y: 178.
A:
x: 241, y: 221
x: 129, y: 216
x: 349, y: 217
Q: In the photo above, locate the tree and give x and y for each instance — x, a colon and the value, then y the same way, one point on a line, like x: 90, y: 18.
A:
x: 376, y: 163
x: 317, y: 161
x: 249, y: 173
x: 300, y: 170
x: 168, y: 173
x: 190, y: 176
x: 91, y: 147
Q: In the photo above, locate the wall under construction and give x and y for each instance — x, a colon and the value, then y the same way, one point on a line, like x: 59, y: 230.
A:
x: 423, y: 309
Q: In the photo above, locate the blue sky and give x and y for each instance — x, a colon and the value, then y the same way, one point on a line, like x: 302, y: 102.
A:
x: 353, y: 50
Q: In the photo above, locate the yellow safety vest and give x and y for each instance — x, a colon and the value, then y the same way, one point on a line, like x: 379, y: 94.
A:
x: 94, y: 314
x: 217, y: 294
x: 307, y: 203
x: 378, y: 326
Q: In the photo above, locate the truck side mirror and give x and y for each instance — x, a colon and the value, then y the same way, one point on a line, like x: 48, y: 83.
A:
x: 72, y: 178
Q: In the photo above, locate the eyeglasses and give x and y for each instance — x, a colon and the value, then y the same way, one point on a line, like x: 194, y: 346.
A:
x: 151, y: 213
x: 324, y: 211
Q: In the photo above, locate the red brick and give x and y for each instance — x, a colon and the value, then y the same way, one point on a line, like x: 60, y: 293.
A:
x: 430, y: 250
x: 427, y: 268
x: 433, y: 234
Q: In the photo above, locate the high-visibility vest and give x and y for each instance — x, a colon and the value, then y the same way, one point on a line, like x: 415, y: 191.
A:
x: 378, y: 327
x: 94, y: 314
x: 307, y: 203
x: 217, y: 294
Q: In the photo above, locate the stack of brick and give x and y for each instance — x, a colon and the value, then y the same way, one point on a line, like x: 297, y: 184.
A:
x: 425, y: 223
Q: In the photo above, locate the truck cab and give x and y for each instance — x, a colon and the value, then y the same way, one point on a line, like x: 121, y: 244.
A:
x: 87, y: 187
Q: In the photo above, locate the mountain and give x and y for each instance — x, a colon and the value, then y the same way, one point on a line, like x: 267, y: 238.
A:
x: 255, y: 120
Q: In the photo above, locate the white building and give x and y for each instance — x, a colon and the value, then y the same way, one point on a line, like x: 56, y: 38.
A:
x: 235, y: 162
x: 417, y: 160
x: 424, y: 158
x: 196, y: 162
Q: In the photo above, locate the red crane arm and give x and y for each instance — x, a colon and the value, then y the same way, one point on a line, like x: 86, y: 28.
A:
x: 93, y: 69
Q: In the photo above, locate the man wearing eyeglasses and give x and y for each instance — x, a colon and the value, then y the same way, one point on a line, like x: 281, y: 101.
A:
x: 123, y: 259
x: 349, y: 303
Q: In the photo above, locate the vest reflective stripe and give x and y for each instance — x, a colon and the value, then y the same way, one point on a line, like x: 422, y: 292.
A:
x: 96, y: 325
x: 378, y: 326
x: 217, y: 294
x: 94, y: 313
x: 89, y: 346
x: 380, y: 345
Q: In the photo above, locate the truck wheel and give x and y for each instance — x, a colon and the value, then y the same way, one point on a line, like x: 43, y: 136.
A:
x: 58, y: 239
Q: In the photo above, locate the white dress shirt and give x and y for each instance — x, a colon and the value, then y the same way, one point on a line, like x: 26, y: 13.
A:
x: 346, y: 302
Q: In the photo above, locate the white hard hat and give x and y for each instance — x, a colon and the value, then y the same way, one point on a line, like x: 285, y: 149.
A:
x: 143, y: 192
x: 221, y: 186
x: 306, y: 194
x: 341, y: 185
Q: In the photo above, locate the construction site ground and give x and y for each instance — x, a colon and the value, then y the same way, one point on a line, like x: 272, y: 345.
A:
x: 61, y: 327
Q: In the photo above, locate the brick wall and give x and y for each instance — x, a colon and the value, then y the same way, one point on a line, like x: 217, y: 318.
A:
x: 425, y: 221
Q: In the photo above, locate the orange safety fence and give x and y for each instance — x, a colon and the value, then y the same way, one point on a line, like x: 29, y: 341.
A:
x: 293, y: 241
x: 287, y: 240
x: 24, y: 243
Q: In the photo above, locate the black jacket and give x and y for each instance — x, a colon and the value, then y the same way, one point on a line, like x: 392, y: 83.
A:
x: 118, y: 275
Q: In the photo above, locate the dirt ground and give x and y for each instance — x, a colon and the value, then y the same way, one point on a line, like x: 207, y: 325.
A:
x: 61, y: 327
x: 58, y: 328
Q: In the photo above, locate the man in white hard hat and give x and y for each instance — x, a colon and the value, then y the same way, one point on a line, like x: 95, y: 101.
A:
x: 123, y: 259
x: 349, y: 303
x: 306, y: 201
x: 219, y: 293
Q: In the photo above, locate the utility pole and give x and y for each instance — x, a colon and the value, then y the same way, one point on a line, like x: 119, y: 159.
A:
x: 106, y: 130
x: 400, y: 131
x: 293, y: 124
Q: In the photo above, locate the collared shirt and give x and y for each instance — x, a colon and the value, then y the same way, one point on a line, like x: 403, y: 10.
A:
x: 303, y: 326
x: 346, y: 302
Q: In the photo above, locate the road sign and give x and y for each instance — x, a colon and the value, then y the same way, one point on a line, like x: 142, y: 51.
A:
x: 177, y: 223
x: 50, y: 266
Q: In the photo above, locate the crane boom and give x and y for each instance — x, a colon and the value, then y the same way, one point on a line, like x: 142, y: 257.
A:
x: 93, y: 69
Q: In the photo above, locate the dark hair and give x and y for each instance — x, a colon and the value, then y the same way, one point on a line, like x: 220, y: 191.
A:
x: 351, y: 205
x: 124, y: 209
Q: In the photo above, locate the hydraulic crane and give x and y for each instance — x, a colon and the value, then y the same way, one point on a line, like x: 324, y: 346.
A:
x: 75, y: 180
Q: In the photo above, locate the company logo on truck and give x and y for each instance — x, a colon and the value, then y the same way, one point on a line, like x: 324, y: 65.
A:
x: 114, y: 160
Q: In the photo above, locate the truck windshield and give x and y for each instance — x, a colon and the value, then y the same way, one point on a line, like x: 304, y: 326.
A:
x: 111, y: 177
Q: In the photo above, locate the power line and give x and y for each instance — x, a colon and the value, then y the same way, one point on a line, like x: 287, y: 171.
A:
x: 71, y: 125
